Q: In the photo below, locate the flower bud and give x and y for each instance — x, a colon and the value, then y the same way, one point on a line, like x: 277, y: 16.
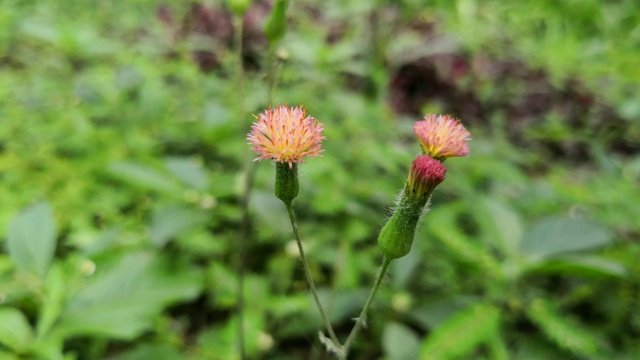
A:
x: 239, y: 7
x: 396, y: 236
x: 287, y: 185
x: 276, y: 24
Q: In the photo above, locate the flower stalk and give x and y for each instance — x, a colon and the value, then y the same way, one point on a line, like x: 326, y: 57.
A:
x: 307, y: 273
x: 363, y: 315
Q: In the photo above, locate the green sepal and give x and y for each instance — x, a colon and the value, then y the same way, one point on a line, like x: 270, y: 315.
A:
x: 396, y: 236
x: 287, y: 185
x: 276, y: 24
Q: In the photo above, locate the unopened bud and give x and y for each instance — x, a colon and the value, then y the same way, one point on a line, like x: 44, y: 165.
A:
x: 276, y: 24
x: 239, y: 7
x: 396, y: 236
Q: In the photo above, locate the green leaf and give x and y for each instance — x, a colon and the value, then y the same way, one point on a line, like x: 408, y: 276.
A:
x: 15, y: 331
x: 440, y: 223
x: 400, y: 342
x: 505, y: 224
x: 161, y: 351
x: 31, y: 239
x: 566, y: 333
x: 589, y: 266
x: 437, y: 312
x: 124, y: 296
x: 144, y: 177
x: 552, y: 236
x: 8, y: 356
x: 462, y: 333
x: 53, y: 299
x: 189, y: 171
x: 170, y: 221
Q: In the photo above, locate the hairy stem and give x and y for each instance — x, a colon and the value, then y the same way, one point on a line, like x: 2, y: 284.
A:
x: 363, y: 315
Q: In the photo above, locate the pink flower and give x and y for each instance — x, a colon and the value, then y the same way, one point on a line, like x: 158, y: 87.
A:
x: 286, y: 135
x: 442, y: 136
x: 426, y: 173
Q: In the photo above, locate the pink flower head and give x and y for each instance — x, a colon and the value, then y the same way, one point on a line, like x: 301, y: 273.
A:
x: 426, y: 173
x: 286, y: 135
x: 442, y: 136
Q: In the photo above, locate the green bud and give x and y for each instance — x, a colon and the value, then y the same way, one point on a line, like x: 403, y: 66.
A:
x: 239, y: 7
x: 396, y: 236
x: 287, y: 185
x: 276, y: 24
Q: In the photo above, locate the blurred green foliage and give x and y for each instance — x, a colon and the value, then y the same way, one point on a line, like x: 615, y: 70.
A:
x: 122, y: 159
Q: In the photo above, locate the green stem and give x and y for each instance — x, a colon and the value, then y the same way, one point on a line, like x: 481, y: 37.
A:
x: 497, y: 347
x: 307, y: 272
x: 271, y: 73
x: 238, y: 27
x: 363, y: 315
x: 250, y: 171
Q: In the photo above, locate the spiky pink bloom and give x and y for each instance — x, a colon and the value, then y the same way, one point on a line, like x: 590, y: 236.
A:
x: 442, y: 136
x: 426, y: 173
x: 286, y: 135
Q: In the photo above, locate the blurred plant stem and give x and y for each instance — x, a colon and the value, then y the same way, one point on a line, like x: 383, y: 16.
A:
x: 250, y: 168
x: 249, y: 171
x: 497, y: 348
x: 271, y: 73
x: 307, y: 272
x: 363, y: 315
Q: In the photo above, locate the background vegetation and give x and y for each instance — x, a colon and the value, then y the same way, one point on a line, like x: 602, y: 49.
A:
x: 123, y: 152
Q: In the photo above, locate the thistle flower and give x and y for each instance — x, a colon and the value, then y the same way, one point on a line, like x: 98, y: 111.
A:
x: 286, y: 135
x: 442, y: 136
x: 396, y: 236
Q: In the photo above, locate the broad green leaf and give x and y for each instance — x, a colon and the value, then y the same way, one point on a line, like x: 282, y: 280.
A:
x: 189, y: 171
x: 400, y: 342
x: 15, y: 331
x: 124, y: 296
x: 48, y: 347
x: 31, y: 239
x: 53, y: 299
x: 144, y: 176
x: 461, y: 333
x: 170, y: 221
x: 583, y: 265
x: 506, y: 225
x: 221, y: 342
x: 8, y: 356
x: 433, y: 314
x: 161, y: 351
x: 552, y: 236
x: 441, y: 225
x: 565, y: 332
